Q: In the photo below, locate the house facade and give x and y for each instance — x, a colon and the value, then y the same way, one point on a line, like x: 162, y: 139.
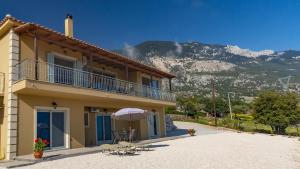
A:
x: 62, y: 89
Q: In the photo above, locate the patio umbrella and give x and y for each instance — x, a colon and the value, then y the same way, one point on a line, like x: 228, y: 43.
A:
x: 129, y: 114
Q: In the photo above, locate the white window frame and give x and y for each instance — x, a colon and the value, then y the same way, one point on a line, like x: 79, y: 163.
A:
x: 67, y: 124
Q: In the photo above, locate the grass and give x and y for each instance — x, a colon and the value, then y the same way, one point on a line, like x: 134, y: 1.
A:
x: 247, y: 126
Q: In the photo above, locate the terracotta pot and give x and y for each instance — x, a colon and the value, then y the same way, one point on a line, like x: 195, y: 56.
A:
x: 38, y: 154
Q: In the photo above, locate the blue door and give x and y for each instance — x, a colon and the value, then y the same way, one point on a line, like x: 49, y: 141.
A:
x: 43, y: 126
x: 103, y: 128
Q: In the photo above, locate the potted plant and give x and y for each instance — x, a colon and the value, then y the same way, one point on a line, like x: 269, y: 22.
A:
x: 39, y: 146
x: 191, y: 132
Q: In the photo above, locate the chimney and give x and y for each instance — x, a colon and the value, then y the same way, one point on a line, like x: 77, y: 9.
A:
x: 69, y: 26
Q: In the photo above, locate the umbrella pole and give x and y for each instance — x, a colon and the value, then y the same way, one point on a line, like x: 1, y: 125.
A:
x: 130, y: 128
x: 114, y: 124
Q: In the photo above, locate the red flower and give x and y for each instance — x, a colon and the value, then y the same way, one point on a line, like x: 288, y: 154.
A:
x: 45, y: 142
x: 36, y: 140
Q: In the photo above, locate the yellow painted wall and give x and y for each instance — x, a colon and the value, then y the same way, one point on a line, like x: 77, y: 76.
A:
x: 27, y: 52
x: 27, y: 102
x: 4, y: 47
x: 77, y: 130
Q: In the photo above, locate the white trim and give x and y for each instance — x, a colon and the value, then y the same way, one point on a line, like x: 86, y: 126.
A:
x: 88, y: 125
x: 70, y: 58
x: 67, y: 123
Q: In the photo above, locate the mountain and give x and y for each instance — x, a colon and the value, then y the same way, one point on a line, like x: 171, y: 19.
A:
x: 234, y: 69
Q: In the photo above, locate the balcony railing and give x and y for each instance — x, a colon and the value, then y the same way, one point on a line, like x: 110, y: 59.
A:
x: 83, y: 79
x: 2, y: 76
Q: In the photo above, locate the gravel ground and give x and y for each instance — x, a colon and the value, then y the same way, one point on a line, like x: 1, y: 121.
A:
x: 221, y: 150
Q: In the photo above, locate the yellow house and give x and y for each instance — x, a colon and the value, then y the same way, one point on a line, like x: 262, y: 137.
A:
x: 62, y: 89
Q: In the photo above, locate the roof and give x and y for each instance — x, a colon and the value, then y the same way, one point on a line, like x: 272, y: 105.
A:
x: 50, y: 35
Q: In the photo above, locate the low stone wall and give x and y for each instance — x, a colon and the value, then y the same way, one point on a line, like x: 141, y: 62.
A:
x: 180, y: 117
x: 169, y: 123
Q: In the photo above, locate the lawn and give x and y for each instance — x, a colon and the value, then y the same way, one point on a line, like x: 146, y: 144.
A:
x: 248, y: 126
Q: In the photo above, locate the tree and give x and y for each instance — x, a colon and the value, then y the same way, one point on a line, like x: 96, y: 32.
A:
x: 221, y: 105
x: 189, y: 105
x: 279, y: 110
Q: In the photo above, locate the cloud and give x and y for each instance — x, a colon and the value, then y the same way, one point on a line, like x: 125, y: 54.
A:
x: 130, y: 50
x: 178, y: 48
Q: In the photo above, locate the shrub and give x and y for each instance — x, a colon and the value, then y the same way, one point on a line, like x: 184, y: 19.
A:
x: 279, y: 110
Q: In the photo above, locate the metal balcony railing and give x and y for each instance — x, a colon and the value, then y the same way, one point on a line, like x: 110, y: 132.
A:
x: 77, y: 78
x: 2, y: 78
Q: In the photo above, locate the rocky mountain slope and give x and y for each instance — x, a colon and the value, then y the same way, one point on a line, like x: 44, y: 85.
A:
x: 243, y: 71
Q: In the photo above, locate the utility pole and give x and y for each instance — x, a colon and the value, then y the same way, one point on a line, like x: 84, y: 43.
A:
x: 229, y: 103
x: 214, y: 101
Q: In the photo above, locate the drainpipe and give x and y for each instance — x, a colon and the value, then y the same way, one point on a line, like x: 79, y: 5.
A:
x: 36, y: 56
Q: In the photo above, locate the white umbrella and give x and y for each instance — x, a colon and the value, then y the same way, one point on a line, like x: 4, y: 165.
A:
x: 129, y: 114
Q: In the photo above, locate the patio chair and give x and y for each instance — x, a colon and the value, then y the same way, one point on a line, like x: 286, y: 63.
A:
x: 143, y: 147
x: 135, y: 147
x: 108, y: 148
x: 127, y: 147
x: 132, y: 135
x: 116, y: 137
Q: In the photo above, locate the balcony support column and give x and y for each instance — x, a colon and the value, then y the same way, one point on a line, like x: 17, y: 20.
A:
x: 36, y: 56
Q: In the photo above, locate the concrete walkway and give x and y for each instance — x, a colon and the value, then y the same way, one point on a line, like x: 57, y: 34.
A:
x: 182, y: 128
x: 27, y: 160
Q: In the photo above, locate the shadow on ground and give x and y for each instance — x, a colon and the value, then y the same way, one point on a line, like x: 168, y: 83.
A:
x: 177, y: 132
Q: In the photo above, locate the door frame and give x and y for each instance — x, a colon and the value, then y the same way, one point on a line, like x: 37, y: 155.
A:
x: 105, y: 141
x: 67, y: 124
x: 157, y: 125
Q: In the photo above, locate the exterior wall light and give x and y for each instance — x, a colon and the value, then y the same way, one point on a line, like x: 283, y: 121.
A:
x: 54, y: 104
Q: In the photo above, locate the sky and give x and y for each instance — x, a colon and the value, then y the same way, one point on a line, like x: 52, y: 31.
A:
x: 253, y: 24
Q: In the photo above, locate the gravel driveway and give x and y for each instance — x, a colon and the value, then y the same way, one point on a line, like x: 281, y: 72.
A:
x: 210, y: 149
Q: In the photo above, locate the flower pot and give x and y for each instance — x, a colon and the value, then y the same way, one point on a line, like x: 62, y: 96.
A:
x: 38, y: 154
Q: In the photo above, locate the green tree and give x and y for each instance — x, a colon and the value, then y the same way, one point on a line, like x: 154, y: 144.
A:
x: 189, y: 105
x: 221, y: 106
x: 279, y: 110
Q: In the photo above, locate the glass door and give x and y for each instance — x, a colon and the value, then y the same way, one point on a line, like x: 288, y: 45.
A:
x: 63, y: 71
x: 146, y: 86
x: 43, y: 126
x: 58, y: 129
x: 51, y: 126
x: 152, y: 125
x: 103, y: 129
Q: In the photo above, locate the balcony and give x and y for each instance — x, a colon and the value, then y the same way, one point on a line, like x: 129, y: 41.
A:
x: 2, y: 76
x: 56, y: 74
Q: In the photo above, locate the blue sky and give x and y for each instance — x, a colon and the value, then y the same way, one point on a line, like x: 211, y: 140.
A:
x: 254, y: 24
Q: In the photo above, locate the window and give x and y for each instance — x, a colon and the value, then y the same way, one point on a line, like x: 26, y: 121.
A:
x: 50, y: 125
x: 86, y: 119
